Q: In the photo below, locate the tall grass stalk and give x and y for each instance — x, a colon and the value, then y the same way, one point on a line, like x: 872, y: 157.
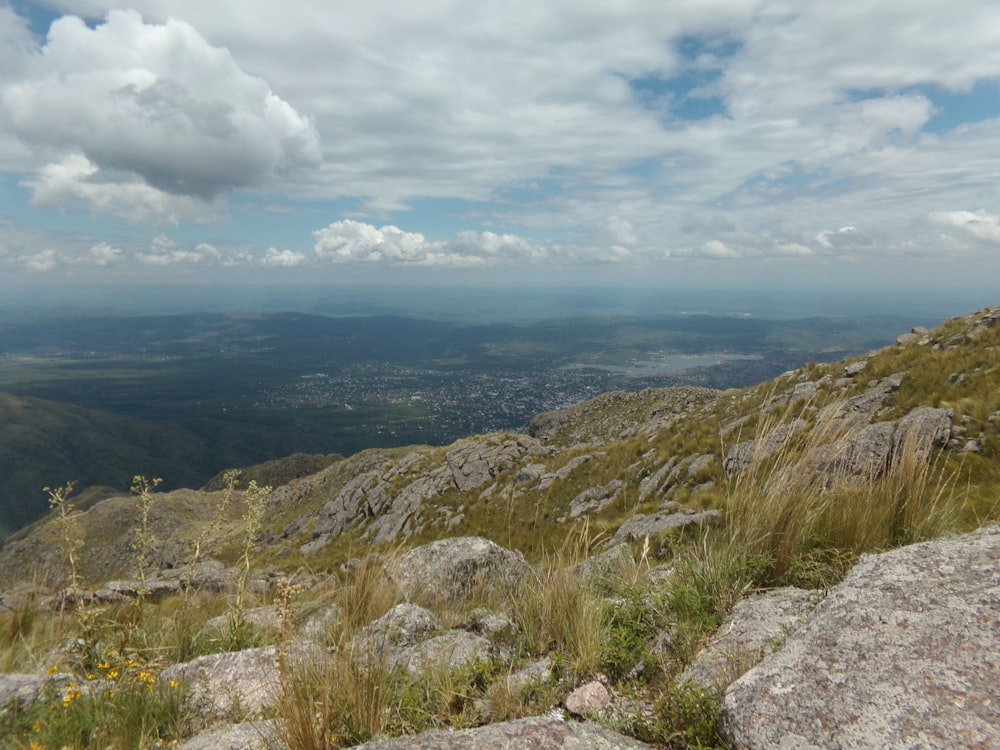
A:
x: 228, y: 495
x: 255, y: 501
x: 67, y: 529
x: 145, y: 539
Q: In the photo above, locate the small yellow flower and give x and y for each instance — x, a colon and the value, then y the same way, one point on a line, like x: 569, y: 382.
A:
x: 36, y: 745
x: 174, y: 684
x: 104, y: 665
x: 53, y: 671
x: 131, y: 663
x: 91, y: 676
x: 38, y: 726
x: 113, y: 674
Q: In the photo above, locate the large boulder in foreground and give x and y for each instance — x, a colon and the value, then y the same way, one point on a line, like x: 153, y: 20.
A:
x: 219, y: 685
x: 539, y: 733
x: 905, y: 653
x: 454, y: 570
x: 255, y: 735
x: 755, y: 627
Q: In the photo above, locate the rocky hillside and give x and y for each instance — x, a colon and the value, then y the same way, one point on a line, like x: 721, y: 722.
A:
x: 634, y: 522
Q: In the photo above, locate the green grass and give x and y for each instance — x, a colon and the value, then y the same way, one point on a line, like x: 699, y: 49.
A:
x: 120, y: 710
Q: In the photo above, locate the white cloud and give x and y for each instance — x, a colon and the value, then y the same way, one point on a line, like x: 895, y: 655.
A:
x: 980, y: 225
x: 75, y: 179
x: 350, y: 241
x: 792, y: 250
x: 16, y: 42
x: 40, y: 262
x: 163, y: 260
x: 165, y: 252
x: 208, y: 251
x: 831, y: 239
x: 451, y: 260
x: 622, y: 231
x: 274, y: 258
x: 710, y: 250
x: 103, y: 254
x: 144, y: 118
x: 562, y: 122
x: 717, y: 249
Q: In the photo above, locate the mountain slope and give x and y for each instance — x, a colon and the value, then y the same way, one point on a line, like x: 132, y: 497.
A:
x: 45, y: 443
x: 605, y: 597
x: 636, y: 464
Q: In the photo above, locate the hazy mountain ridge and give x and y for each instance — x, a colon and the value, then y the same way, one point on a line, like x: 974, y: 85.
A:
x: 183, y: 396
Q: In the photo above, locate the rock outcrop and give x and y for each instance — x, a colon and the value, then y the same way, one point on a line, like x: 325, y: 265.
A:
x: 257, y: 735
x: 219, y: 683
x: 877, y: 449
x: 904, y: 653
x: 757, y: 626
x: 455, y: 569
x: 750, y: 453
x: 539, y: 733
x: 388, y: 495
x: 392, y: 637
x: 595, y: 499
x: 672, y: 518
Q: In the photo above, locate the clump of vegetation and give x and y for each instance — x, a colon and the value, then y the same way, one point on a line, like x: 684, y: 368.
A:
x: 559, y: 612
x: 121, y: 705
x: 793, y: 508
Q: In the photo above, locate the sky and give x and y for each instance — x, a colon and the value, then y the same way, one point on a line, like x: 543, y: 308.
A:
x: 729, y: 143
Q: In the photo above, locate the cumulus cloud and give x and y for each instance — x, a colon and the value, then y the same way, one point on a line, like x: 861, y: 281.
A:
x: 622, y: 231
x: 831, y: 239
x: 165, y: 252
x: 274, y: 258
x: 103, y: 254
x: 711, y: 250
x: 619, y: 254
x: 149, y: 117
x: 356, y: 242
x: 979, y: 225
x: 575, y: 129
x: 716, y: 249
x: 792, y: 250
x: 40, y: 262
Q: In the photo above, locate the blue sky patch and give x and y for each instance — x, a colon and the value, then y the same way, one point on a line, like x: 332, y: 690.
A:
x: 689, y: 94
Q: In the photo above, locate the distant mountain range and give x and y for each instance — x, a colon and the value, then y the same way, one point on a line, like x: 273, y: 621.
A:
x: 96, y: 398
